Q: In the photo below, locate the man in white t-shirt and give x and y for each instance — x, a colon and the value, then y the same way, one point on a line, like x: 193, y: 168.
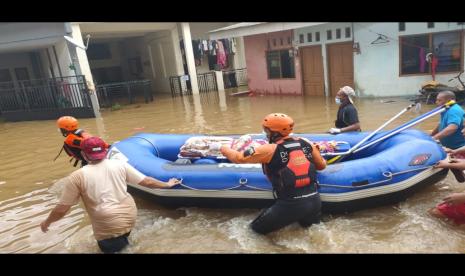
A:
x: 102, y: 187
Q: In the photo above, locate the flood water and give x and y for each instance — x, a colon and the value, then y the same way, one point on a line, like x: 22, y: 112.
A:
x: 27, y: 171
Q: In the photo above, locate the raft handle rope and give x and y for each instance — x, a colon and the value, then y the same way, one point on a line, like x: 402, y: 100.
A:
x: 242, y: 183
x: 156, y: 149
x: 388, y: 175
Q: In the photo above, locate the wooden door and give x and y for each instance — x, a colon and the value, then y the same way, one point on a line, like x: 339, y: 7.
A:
x: 340, y: 66
x: 312, y: 71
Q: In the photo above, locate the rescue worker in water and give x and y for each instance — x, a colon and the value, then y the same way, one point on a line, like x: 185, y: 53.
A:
x: 68, y: 126
x: 291, y: 165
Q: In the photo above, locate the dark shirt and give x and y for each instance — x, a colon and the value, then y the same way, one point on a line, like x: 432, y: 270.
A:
x: 346, y: 115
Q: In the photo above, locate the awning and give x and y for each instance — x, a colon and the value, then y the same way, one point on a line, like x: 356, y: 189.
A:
x: 253, y: 28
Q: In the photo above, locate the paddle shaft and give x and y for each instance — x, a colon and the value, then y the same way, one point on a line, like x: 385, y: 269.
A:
x: 378, y: 129
x: 404, y: 127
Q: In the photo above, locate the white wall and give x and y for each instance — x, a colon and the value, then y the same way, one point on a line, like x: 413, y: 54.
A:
x: 376, y: 69
x: 239, y: 56
x: 160, y: 46
x: 64, y: 58
x: 29, y: 36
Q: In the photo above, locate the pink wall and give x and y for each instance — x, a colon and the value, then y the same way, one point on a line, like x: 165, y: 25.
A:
x: 257, y: 74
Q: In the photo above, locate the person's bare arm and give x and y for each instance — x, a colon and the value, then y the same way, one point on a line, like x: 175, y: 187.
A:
x: 451, y: 164
x: 353, y: 127
x: 450, y: 129
x: 435, y: 130
x: 155, y: 183
x: 320, y: 162
x: 56, y: 214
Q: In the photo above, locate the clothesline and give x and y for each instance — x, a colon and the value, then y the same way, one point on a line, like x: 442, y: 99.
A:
x: 216, y: 50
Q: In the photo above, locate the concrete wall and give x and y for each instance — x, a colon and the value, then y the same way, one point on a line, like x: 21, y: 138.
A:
x: 377, y: 66
x: 64, y: 58
x: 160, y: 49
x: 22, y: 37
x: 257, y: 72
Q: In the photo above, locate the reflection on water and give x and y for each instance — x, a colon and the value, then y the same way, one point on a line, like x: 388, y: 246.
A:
x: 27, y: 171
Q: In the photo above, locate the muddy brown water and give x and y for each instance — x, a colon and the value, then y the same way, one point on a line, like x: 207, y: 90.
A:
x: 27, y: 171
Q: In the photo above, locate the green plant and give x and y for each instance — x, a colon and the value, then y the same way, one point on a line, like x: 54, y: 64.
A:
x: 116, y: 106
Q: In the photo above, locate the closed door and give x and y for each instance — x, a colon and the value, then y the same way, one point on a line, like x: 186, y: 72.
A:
x: 312, y: 71
x: 340, y: 66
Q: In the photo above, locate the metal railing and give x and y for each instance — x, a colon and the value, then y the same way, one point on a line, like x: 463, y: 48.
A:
x: 235, y: 78
x: 44, y: 94
x: 110, y: 92
x: 207, y: 82
x: 180, y: 85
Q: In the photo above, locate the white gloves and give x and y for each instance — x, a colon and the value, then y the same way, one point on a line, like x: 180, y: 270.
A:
x: 334, y: 130
x: 215, y: 146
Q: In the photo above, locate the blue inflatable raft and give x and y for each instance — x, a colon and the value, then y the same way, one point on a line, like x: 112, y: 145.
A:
x: 385, y: 173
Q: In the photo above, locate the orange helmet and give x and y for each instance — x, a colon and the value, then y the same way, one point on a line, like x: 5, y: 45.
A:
x: 279, y: 122
x: 68, y: 123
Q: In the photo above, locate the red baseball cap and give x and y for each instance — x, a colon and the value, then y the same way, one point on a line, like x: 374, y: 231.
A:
x: 94, y: 148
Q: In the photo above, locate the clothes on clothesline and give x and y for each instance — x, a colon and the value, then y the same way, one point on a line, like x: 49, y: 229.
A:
x: 217, y: 51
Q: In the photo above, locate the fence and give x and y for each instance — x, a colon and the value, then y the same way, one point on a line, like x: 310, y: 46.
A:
x: 180, y: 85
x: 235, y: 78
x: 108, y: 93
x: 40, y: 94
x: 44, y: 98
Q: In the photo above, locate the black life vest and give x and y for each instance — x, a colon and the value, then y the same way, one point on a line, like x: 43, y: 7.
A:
x: 292, y: 171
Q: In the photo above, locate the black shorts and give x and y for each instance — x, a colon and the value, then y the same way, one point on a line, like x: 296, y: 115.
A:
x: 113, y: 245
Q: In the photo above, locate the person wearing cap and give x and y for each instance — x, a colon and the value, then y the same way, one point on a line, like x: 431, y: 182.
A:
x: 290, y: 165
x: 102, y: 187
x: 347, y: 115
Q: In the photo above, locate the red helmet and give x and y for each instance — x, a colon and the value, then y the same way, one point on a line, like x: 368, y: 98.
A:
x: 68, y: 123
x: 279, y: 122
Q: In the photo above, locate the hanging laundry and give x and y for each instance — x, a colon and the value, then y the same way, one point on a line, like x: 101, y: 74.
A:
x: 422, y: 60
x: 196, y: 49
x: 233, y: 45
x: 205, y: 45
x: 211, y: 62
x: 215, y: 47
x: 226, y: 46
x: 221, y: 55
